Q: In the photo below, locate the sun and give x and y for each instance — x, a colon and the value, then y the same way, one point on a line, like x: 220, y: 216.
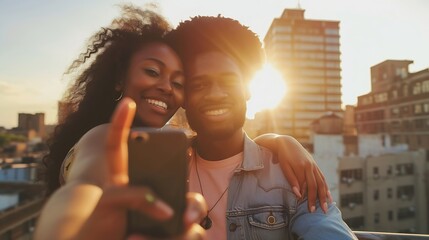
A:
x: 267, y: 89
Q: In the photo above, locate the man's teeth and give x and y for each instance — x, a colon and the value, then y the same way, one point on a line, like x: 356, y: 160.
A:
x: 157, y: 103
x: 216, y: 112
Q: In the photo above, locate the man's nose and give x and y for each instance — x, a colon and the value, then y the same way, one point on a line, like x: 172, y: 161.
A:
x: 216, y: 92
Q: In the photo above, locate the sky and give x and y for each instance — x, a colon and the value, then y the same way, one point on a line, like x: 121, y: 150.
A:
x: 40, y: 38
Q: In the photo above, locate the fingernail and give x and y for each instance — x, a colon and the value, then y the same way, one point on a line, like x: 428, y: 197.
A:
x: 296, y: 192
x: 312, y: 209
x: 167, y: 210
x: 325, y: 207
x: 120, y: 179
x: 193, y: 216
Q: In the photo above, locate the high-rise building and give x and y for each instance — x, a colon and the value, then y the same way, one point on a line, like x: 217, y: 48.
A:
x: 397, y: 108
x: 36, y: 122
x: 307, y: 53
x: 398, y: 104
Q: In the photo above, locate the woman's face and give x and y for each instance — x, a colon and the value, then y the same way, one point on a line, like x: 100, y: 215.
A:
x: 155, y: 82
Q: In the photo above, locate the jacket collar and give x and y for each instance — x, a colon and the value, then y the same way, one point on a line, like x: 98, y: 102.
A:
x: 253, y: 156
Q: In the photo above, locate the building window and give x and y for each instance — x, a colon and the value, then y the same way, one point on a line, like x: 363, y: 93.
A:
x: 405, y: 169
x: 425, y: 86
x: 389, y: 170
x: 395, y: 111
x: 426, y: 107
x: 417, y: 89
x: 389, y: 193
x: 376, y: 218
x: 333, y: 48
x: 390, y: 215
x: 405, y: 192
x: 332, y: 40
x: 376, y: 195
x: 351, y: 199
x: 332, y: 31
x: 381, y: 97
x: 375, y: 172
x: 419, y: 123
x: 406, y: 212
x: 395, y: 94
x: 417, y: 109
x: 350, y: 175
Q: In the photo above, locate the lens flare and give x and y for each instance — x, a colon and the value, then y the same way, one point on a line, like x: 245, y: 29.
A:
x: 267, y: 89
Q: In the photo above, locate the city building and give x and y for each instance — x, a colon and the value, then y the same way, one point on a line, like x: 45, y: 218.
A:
x: 377, y: 186
x: 397, y: 107
x: 384, y: 193
x: 28, y: 122
x: 21, y: 197
x: 307, y: 53
x: 398, y: 104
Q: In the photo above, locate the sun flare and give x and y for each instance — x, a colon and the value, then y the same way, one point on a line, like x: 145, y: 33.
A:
x: 267, y: 89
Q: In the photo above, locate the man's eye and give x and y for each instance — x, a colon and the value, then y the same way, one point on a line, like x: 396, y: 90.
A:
x: 198, y: 86
x: 151, y: 72
x: 178, y: 85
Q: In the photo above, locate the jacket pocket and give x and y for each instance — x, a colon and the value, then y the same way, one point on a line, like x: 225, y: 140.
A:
x: 269, y: 219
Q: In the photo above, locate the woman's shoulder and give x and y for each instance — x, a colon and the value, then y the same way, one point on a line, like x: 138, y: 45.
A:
x: 94, y: 134
x: 87, y: 140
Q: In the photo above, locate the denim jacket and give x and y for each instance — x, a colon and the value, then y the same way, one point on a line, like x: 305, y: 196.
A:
x: 261, y: 204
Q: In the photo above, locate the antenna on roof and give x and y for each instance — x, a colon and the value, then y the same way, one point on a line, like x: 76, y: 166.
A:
x: 299, y: 4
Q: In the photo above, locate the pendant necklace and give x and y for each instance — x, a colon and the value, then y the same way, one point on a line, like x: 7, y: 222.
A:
x: 206, y: 223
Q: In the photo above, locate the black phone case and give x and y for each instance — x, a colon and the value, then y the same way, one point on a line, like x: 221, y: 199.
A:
x: 157, y: 159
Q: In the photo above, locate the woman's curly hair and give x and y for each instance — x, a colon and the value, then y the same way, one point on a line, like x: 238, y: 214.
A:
x: 100, y: 69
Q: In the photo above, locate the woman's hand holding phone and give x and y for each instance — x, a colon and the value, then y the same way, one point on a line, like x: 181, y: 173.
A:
x: 109, y: 217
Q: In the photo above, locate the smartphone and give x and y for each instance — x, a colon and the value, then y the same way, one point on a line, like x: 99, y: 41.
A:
x: 157, y: 158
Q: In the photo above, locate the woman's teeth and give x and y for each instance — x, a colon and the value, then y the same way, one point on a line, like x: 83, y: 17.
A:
x: 157, y: 103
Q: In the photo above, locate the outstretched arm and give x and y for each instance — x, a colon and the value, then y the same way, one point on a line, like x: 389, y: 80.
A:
x: 299, y: 168
x: 95, y: 207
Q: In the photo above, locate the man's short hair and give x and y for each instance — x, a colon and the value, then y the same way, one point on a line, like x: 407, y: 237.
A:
x: 207, y: 33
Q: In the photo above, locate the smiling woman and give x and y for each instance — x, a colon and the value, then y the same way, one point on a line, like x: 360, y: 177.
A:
x: 267, y: 89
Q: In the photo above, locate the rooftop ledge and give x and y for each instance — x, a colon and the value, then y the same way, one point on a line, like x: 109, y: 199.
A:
x: 363, y: 235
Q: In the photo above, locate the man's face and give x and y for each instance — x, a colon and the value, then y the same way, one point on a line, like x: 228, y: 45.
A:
x: 215, y: 95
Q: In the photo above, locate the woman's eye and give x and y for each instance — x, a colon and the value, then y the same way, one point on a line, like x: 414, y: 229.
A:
x: 151, y: 72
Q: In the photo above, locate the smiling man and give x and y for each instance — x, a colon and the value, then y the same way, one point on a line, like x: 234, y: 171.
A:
x: 247, y: 194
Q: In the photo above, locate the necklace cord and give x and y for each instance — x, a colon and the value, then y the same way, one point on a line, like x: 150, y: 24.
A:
x: 201, y: 187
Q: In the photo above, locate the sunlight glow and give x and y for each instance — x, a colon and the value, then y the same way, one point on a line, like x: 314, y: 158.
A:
x: 267, y: 89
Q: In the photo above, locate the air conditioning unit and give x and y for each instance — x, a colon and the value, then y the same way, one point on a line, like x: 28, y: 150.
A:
x: 404, y: 197
x: 350, y: 180
x: 352, y: 205
x: 376, y: 176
